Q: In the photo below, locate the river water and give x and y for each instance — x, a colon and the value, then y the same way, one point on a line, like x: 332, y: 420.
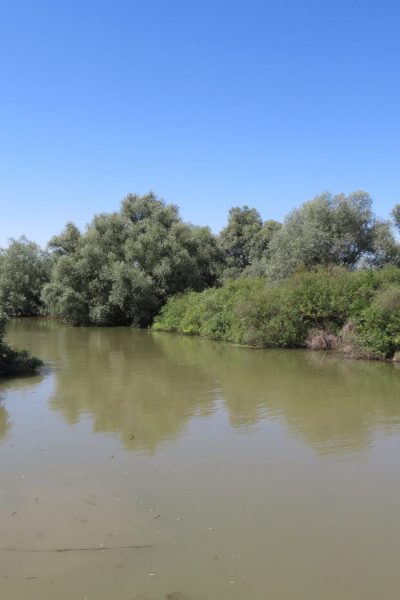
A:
x: 173, y: 468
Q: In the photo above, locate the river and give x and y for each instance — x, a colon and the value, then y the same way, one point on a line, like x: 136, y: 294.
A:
x: 174, y: 468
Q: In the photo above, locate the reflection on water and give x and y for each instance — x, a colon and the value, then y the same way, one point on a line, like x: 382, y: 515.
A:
x: 246, y: 474
x: 146, y: 386
x: 333, y: 404
x: 23, y: 385
x: 4, y: 421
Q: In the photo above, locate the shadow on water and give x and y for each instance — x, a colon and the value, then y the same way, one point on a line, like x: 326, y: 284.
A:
x: 147, y: 386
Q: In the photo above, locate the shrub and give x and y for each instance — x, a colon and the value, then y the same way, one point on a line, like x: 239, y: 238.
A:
x: 379, y: 324
x: 355, y: 312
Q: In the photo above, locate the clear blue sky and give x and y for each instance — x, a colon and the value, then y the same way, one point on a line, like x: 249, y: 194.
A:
x: 210, y: 104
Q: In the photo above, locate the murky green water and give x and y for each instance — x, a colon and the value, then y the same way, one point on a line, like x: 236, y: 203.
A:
x: 246, y: 474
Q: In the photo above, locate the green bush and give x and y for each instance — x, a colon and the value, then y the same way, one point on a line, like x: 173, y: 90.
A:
x: 379, y: 324
x: 251, y: 311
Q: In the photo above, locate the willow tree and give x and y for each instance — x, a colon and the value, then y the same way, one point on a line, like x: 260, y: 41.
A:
x: 331, y: 230
x: 24, y: 270
x: 396, y: 216
x: 125, y: 265
x: 245, y: 240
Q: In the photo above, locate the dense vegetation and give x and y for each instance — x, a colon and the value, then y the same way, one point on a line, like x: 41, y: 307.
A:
x: 329, y: 230
x: 328, y: 276
x: 14, y: 362
x: 321, y: 279
x: 126, y: 264
x: 331, y: 308
x: 24, y: 270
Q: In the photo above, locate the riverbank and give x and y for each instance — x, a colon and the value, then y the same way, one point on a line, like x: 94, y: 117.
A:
x: 353, y: 313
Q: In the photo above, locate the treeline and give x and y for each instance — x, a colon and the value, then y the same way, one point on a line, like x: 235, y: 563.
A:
x: 126, y: 265
x: 120, y: 271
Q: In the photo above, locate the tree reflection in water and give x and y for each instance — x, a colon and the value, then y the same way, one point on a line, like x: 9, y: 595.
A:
x: 146, y: 386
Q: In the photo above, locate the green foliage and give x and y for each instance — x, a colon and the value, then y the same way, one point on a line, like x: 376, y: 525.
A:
x: 24, y: 269
x: 330, y: 230
x: 122, y: 269
x: 246, y: 239
x: 211, y: 313
x: 385, y: 249
x: 67, y: 242
x: 249, y: 311
x: 324, y: 267
x: 396, y: 216
x: 238, y: 237
x: 379, y: 323
x: 13, y: 362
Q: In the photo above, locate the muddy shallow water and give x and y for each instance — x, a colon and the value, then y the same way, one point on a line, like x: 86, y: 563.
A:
x: 171, y: 468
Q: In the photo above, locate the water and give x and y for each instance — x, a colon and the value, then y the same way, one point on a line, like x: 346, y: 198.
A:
x: 245, y: 474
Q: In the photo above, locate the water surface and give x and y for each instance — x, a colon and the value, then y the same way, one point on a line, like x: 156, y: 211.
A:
x: 245, y: 474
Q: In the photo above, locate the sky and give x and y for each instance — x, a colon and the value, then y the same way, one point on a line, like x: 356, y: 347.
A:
x: 210, y: 104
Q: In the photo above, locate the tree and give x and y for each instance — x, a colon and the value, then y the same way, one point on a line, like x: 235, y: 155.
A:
x: 237, y: 239
x: 385, y: 249
x: 67, y: 242
x: 338, y: 230
x: 24, y: 269
x: 122, y: 269
x: 261, y: 249
x: 396, y: 216
x: 245, y: 240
